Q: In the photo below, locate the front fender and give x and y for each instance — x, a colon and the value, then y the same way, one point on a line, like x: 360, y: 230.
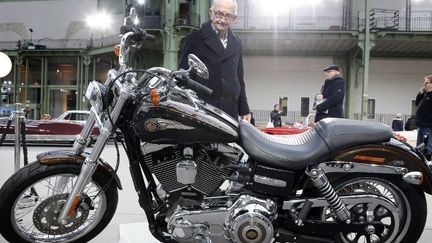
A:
x: 69, y: 156
x: 392, y: 153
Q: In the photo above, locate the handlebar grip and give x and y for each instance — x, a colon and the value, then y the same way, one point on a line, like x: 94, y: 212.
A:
x: 142, y: 35
x: 198, y: 87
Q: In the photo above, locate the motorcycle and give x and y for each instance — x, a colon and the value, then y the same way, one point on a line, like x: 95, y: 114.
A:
x: 202, y: 176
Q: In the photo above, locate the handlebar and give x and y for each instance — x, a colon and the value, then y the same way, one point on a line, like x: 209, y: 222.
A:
x: 138, y: 33
x: 198, y: 87
x: 194, y: 85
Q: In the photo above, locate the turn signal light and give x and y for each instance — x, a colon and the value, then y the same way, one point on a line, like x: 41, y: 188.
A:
x: 414, y: 177
x: 117, y: 50
x: 154, y: 96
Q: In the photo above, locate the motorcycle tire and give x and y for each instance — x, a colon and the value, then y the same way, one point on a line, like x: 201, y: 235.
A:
x: 22, y: 202
x: 410, y: 200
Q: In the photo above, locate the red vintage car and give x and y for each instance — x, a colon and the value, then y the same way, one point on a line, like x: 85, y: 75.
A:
x: 284, y: 130
x: 47, y: 131
x: 404, y: 136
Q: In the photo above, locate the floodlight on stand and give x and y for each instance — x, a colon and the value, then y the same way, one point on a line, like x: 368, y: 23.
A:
x: 5, y: 65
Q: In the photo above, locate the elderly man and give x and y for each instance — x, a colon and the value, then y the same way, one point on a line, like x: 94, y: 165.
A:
x: 333, y: 93
x: 221, y: 51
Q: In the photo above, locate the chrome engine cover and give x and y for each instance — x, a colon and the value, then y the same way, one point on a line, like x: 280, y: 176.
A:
x: 248, y: 219
x: 162, y: 160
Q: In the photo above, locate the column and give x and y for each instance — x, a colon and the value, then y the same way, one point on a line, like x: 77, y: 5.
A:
x: 171, y: 41
x: 366, y: 47
x: 87, y: 60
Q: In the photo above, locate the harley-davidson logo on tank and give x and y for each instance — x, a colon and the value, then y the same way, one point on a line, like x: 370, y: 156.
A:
x: 153, y: 125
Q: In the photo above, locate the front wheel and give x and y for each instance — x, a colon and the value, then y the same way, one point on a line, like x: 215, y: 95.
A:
x: 32, y: 199
x: 403, y: 219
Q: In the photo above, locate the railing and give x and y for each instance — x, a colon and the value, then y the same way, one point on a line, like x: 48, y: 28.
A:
x: 290, y: 23
x: 47, y: 43
x: 263, y: 116
x: 322, y: 23
x: 383, y: 118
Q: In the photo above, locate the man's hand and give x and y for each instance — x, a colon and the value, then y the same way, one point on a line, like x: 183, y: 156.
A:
x: 422, y: 90
x: 247, y: 117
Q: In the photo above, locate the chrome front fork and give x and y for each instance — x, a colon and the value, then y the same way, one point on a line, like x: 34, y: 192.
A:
x: 83, y: 139
x: 91, y: 162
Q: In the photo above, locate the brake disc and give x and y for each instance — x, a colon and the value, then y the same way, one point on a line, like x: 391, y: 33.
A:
x: 45, y: 216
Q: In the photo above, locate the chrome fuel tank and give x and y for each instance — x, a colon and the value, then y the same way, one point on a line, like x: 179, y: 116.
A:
x: 179, y: 120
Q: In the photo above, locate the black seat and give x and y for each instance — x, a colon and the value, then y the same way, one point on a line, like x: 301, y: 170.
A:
x: 295, y: 152
x: 342, y: 133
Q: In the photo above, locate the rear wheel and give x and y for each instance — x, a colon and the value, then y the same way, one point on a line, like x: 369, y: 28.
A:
x: 403, y: 217
x: 32, y: 199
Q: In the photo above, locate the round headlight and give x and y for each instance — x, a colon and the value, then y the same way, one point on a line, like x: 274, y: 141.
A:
x: 95, y: 93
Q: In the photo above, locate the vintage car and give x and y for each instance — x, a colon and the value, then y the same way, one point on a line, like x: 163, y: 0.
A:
x: 409, y: 137
x: 74, y: 115
x: 291, y: 128
x: 284, y: 130
x: 56, y: 131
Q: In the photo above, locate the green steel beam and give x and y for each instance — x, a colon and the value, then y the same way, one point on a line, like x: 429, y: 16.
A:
x: 202, y: 8
x: 171, y: 42
x: 78, y: 84
x: 45, y: 108
x: 101, y: 50
x: 351, y: 78
x: 366, y: 56
x: 52, y: 52
x: 405, y: 36
x: 279, y: 52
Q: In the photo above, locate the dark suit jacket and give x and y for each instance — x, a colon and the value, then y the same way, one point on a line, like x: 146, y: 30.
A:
x: 225, y: 68
x: 333, y: 92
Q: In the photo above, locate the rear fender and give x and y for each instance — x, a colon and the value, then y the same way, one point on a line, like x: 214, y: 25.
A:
x: 393, y: 153
x: 70, y: 156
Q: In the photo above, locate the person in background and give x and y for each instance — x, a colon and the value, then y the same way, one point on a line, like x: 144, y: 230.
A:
x: 45, y: 117
x: 397, y: 123
x: 221, y: 51
x: 333, y: 92
x: 424, y: 114
x: 26, y: 111
x: 275, y: 116
x: 411, y: 123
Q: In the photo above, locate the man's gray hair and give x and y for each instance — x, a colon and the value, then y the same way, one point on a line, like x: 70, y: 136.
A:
x: 235, y: 5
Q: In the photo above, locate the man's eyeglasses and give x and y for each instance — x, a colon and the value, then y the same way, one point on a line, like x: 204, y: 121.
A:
x: 220, y: 14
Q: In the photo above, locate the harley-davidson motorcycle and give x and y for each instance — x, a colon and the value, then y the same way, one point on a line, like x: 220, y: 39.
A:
x: 202, y: 176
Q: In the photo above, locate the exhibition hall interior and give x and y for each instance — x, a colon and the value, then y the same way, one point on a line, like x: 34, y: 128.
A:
x: 106, y: 137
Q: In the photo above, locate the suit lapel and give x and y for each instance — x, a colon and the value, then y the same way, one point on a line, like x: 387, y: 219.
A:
x: 232, y: 46
x: 211, y: 39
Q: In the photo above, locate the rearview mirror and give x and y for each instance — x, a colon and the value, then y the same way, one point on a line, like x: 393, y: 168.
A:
x: 198, y: 66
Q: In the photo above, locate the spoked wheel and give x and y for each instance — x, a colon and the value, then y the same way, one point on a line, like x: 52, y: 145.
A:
x: 33, y: 198
x: 400, y: 213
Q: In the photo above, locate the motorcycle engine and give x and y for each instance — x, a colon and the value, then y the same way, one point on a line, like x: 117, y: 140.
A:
x: 211, y: 165
x: 246, y: 219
